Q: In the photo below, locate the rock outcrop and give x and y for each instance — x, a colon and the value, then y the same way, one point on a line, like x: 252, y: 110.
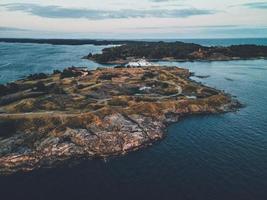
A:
x: 98, y: 113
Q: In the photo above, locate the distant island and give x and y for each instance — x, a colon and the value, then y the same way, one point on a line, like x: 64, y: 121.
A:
x: 176, y: 51
x: 68, y: 41
x: 127, y: 50
x: 77, y: 113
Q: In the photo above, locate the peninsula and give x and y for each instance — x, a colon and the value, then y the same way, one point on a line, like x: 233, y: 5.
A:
x: 108, y: 111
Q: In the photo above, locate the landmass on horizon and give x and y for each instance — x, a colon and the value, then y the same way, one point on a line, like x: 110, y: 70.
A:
x: 176, y: 51
x: 128, y: 50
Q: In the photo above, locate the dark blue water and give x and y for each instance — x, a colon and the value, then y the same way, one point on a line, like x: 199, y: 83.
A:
x: 214, y: 157
x: 19, y: 60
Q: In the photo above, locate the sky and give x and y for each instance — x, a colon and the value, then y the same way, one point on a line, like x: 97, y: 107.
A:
x: 133, y: 19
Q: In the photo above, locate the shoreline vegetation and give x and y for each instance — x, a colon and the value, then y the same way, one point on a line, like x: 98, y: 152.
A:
x: 96, y: 113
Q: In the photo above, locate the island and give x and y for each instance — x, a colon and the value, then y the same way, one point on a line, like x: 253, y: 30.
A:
x: 79, y: 113
x: 124, y: 51
x: 176, y: 51
x: 66, y: 41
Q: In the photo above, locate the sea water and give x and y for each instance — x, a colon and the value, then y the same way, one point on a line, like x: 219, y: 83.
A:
x: 210, y: 157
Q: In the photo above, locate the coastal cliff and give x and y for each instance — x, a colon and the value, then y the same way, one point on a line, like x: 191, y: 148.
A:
x: 108, y: 111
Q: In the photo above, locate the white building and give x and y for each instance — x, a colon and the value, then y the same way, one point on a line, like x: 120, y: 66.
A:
x: 140, y: 63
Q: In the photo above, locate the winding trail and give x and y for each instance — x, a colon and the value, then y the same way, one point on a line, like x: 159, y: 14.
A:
x: 38, y: 114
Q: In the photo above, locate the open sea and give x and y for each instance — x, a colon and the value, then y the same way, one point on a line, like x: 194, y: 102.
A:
x: 210, y: 157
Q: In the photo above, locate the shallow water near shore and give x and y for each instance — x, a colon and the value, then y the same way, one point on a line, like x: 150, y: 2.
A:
x: 203, y: 157
x: 20, y: 60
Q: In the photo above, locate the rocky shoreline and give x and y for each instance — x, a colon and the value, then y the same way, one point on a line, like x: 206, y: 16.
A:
x: 104, y: 112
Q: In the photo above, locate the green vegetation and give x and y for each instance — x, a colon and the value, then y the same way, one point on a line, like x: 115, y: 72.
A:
x: 99, y: 113
x: 176, y: 51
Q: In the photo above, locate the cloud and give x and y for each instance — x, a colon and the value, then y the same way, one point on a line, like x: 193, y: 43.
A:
x: 11, y: 29
x: 160, y: 0
x: 256, y: 5
x: 186, y: 27
x: 93, y: 14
